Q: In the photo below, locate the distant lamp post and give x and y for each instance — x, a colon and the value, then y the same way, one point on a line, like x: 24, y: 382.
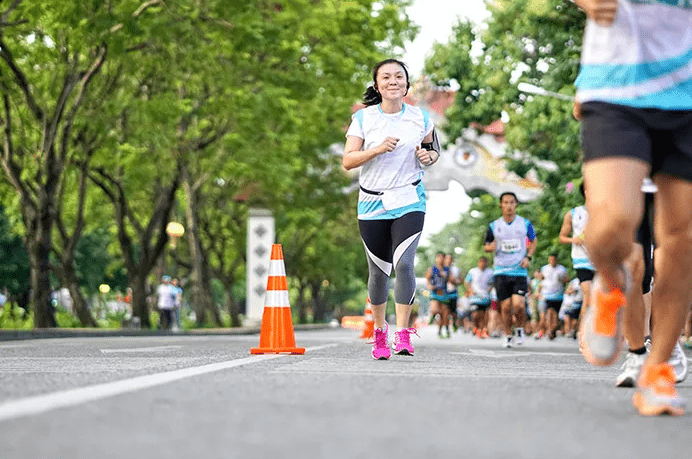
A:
x: 532, y: 89
x: 174, y: 231
x: 103, y: 289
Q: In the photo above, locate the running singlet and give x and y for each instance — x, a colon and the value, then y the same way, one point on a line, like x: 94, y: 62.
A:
x: 438, y: 282
x: 552, y: 287
x: 511, y: 246
x: 580, y: 259
x: 480, y: 283
x: 644, y: 59
x: 393, y: 179
x: 453, y: 271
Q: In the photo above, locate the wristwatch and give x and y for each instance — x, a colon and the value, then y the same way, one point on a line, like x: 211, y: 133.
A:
x: 529, y: 257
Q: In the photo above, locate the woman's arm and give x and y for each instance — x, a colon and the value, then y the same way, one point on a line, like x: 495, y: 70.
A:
x: 355, y: 157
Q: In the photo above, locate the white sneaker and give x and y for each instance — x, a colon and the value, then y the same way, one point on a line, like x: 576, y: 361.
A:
x: 678, y: 360
x: 630, y: 370
x: 508, y: 342
x: 520, y: 336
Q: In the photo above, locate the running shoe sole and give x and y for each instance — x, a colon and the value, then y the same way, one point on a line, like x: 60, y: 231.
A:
x: 404, y: 352
x: 629, y: 381
x: 584, y: 347
x: 645, y: 409
x: 681, y: 375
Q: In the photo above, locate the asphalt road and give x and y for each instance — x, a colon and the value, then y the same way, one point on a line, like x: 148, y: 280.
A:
x: 206, y: 397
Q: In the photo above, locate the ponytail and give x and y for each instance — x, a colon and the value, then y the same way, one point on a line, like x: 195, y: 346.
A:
x: 371, y: 96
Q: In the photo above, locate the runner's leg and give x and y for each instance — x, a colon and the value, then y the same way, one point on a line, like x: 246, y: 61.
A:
x: 672, y: 295
x: 615, y: 204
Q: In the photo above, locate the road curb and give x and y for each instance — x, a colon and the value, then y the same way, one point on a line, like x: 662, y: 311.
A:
x: 50, y: 333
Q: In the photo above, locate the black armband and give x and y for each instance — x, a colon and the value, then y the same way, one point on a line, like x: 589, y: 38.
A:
x: 434, y: 145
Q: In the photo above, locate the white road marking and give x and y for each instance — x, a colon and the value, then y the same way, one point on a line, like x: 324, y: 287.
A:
x: 504, y: 354
x: 67, y: 398
x: 399, y: 368
x: 139, y: 349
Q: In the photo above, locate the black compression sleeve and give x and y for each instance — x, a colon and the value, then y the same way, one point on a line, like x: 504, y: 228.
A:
x: 489, y: 236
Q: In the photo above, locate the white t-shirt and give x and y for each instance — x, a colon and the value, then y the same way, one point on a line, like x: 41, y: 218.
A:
x: 400, y: 166
x: 480, y: 282
x: 165, y: 294
x: 643, y: 59
x: 453, y: 272
x: 552, y: 285
x: 577, y: 297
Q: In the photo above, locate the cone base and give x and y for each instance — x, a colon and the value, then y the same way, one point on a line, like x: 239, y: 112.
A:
x: 368, y: 331
x: 287, y: 350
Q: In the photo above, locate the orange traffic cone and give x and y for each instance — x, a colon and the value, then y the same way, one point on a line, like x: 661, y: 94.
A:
x: 368, y: 322
x: 277, y: 335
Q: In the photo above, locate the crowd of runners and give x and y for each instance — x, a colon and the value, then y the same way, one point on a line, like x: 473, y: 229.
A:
x: 505, y: 302
x: 546, y: 304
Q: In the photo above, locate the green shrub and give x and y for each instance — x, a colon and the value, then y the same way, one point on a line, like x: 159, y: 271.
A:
x: 17, y: 322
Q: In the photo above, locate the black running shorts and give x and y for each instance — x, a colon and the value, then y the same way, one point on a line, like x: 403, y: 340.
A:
x: 553, y: 304
x: 662, y: 138
x: 506, y: 286
x: 646, y: 238
x: 585, y: 275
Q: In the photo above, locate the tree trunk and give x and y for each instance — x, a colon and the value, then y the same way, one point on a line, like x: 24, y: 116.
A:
x: 319, y: 309
x: 233, y: 308
x: 79, y: 304
x: 201, y: 287
x: 39, y: 251
x: 302, y: 305
x: 140, y: 308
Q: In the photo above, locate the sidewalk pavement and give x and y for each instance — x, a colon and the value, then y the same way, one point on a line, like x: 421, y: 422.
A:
x: 45, y: 333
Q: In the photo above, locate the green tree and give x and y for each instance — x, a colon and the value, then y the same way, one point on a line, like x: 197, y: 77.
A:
x: 532, y: 41
x: 50, y: 55
x: 293, y: 95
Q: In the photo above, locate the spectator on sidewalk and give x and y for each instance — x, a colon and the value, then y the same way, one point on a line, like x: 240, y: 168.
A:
x: 164, y: 293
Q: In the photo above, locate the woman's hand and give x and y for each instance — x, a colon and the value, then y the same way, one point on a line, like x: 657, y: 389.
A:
x: 388, y: 145
x: 424, y: 156
x: 603, y: 12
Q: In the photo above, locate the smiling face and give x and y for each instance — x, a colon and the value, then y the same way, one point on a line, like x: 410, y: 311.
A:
x: 391, y: 81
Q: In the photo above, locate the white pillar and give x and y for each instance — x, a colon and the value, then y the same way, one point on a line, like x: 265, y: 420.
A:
x: 260, y: 237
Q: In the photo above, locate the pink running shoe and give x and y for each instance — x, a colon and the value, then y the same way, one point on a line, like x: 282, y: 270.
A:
x: 380, y: 346
x: 402, y: 341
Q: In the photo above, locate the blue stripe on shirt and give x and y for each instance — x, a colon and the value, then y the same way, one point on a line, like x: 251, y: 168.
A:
x: 514, y: 271
x: 359, y: 116
x: 377, y: 211
x: 599, y: 76
x: 676, y: 98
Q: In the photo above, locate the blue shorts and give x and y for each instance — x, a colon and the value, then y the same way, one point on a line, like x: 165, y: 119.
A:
x: 437, y: 297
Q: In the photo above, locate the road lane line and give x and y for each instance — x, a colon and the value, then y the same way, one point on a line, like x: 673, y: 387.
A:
x: 139, y: 349
x: 502, y: 354
x: 71, y: 397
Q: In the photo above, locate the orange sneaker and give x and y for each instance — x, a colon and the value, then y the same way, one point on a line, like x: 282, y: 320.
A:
x: 601, y: 330
x: 656, y: 394
x: 485, y: 334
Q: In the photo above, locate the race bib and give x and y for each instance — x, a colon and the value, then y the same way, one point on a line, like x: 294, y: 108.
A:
x: 399, y: 197
x: 510, y: 245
